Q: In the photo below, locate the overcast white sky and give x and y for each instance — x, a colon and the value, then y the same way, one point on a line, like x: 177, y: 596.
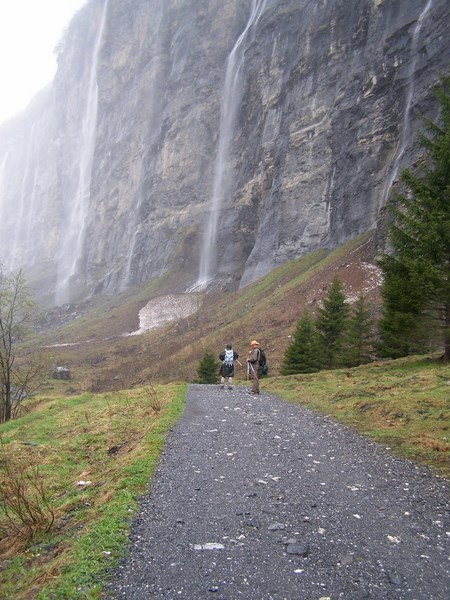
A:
x: 29, y: 32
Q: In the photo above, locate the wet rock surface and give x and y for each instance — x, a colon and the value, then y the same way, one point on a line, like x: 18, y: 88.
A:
x: 330, y: 101
x: 257, y: 498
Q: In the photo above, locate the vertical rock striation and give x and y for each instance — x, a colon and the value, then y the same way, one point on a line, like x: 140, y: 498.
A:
x: 326, y: 115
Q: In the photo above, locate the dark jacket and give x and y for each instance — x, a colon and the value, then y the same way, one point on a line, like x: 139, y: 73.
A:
x: 227, y: 370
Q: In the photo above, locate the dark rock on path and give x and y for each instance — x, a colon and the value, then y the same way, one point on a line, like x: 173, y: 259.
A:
x: 358, y: 523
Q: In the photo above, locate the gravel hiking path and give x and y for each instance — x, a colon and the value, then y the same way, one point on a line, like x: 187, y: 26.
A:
x: 256, y: 498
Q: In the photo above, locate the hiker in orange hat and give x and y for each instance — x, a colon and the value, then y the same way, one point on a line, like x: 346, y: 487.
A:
x: 252, y: 365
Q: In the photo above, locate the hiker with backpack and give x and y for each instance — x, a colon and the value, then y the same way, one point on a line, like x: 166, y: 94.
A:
x: 256, y: 365
x: 227, y: 356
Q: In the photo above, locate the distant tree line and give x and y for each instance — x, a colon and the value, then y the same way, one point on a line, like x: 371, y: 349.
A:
x: 338, y: 336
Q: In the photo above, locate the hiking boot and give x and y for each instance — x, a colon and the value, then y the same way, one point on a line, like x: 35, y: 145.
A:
x: 221, y: 387
x: 230, y: 387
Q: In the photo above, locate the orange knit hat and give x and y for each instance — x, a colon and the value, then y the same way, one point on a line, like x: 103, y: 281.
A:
x: 254, y: 343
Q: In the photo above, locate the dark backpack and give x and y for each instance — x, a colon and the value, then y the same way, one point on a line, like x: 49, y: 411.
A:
x: 263, y: 368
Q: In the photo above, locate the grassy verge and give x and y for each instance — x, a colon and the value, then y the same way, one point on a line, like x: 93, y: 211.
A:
x: 112, y: 443
x: 403, y: 404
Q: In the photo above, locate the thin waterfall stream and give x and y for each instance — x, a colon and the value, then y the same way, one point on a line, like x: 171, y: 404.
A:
x: 16, y: 256
x: 73, y: 242
x: 231, y: 99
x: 406, y: 125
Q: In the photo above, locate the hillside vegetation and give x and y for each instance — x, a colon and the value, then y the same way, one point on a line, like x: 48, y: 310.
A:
x: 267, y: 310
x: 86, y: 448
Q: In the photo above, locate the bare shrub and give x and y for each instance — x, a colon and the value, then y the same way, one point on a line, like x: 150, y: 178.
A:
x: 24, y: 497
x: 20, y: 371
x: 155, y: 401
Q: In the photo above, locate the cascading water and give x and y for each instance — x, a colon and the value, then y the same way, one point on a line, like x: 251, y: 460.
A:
x: 406, y: 125
x: 231, y: 98
x: 32, y: 216
x: 72, y: 247
x: 17, y: 248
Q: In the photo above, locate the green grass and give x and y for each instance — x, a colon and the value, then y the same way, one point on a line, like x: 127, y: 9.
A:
x: 403, y: 404
x: 113, y: 440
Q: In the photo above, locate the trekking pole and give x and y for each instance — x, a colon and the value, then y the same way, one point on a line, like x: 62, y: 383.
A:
x: 254, y: 372
x: 238, y: 362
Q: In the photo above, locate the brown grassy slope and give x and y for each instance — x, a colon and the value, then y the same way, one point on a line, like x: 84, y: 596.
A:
x: 266, y: 310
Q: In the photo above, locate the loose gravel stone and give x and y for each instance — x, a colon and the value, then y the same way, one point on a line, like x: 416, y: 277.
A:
x: 358, y: 522
x: 298, y: 549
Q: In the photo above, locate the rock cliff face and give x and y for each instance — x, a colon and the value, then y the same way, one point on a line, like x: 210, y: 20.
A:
x: 214, y: 140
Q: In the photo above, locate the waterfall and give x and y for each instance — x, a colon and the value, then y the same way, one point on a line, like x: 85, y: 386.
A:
x: 231, y: 98
x: 73, y: 243
x: 406, y: 125
x: 32, y: 220
x: 18, y: 242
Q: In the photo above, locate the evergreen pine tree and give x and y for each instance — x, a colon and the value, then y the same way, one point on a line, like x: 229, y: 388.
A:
x: 400, y: 311
x: 303, y: 355
x: 331, y: 322
x: 358, y: 337
x: 416, y: 288
x: 208, y: 368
